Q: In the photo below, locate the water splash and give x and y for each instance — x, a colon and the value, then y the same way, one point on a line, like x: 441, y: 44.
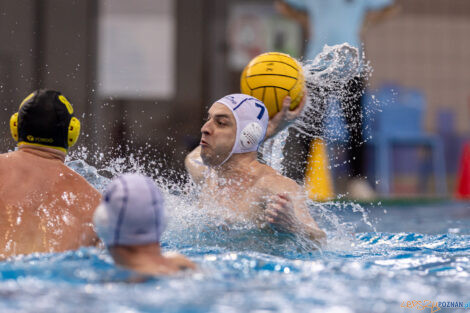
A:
x: 326, y: 77
x: 271, y: 150
x: 191, y: 225
x: 334, y: 66
x: 336, y: 74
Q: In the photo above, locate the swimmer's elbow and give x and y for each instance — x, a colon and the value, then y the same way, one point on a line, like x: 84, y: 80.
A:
x: 190, y: 162
x: 187, y: 162
x: 191, y: 167
x: 194, y: 165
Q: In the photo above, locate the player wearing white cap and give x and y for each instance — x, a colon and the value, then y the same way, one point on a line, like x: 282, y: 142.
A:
x: 226, y: 165
x: 130, y: 221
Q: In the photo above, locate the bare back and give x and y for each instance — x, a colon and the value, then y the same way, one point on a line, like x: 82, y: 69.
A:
x: 44, y: 205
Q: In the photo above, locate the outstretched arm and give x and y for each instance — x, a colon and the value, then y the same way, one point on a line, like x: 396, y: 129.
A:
x: 194, y: 165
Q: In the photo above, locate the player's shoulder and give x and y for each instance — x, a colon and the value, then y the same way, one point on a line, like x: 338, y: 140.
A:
x: 4, y: 157
x: 272, y: 180
x: 78, y: 181
x: 11, y: 160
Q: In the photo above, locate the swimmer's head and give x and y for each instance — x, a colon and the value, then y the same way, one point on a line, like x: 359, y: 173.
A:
x: 45, y: 118
x: 237, y: 124
x: 131, y: 212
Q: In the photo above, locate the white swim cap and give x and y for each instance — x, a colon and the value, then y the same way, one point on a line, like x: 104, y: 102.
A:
x: 131, y: 212
x: 252, y: 121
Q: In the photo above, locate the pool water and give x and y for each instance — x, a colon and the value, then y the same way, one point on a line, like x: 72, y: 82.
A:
x: 377, y: 258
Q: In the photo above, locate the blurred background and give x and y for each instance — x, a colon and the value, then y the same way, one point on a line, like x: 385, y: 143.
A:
x: 142, y: 73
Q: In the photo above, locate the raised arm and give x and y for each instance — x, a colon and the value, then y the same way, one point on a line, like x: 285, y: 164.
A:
x: 285, y: 117
x: 194, y: 165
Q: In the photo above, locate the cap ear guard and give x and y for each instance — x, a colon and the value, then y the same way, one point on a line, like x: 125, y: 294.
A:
x: 251, y: 135
x: 73, y: 132
x: 14, y: 126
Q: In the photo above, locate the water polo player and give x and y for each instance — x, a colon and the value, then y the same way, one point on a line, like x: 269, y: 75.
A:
x: 44, y: 205
x: 130, y: 221
x: 226, y: 165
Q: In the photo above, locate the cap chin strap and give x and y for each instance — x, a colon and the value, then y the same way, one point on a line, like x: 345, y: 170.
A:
x: 247, y: 139
x: 236, y: 137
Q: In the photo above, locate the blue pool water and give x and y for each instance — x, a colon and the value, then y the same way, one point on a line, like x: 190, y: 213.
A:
x: 414, y: 253
x: 377, y: 257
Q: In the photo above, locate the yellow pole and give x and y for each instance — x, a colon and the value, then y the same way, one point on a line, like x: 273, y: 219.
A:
x: 318, y: 181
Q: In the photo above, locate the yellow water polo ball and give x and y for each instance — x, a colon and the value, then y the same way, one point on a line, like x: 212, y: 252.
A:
x: 272, y: 76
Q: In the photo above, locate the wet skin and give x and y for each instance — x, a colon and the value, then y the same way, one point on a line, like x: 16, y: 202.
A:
x: 245, y: 187
x: 148, y: 259
x: 44, y: 205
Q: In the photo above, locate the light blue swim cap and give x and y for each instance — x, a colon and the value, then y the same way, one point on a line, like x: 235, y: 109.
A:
x: 131, y: 212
